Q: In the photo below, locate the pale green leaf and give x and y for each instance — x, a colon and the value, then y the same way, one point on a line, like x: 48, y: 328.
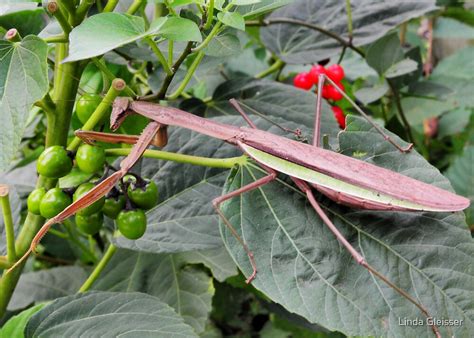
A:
x: 24, y: 80
x: 180, y: 29
x: 16, y: 325
x: 401, y: 68
x: 232, y: 19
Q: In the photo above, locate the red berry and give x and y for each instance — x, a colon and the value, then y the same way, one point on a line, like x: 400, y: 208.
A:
x: 326, y: 92
x: 334, y: 94
x: 303, y: 81
x: 335, y: 73
x: 339, y: 115
x: 315, y: 72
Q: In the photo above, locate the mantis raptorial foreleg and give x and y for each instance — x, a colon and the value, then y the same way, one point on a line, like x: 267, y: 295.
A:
x: 100, y: 189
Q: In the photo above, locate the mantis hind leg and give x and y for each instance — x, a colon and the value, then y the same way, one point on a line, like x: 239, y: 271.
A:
x: 317, y: 121
x: 249, y: 187
x: 355, y: 254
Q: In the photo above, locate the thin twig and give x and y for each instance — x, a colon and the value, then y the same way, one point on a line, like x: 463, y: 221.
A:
x: 335, y: 36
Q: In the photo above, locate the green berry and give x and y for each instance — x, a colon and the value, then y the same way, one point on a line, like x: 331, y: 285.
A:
x: 145, y: 197
x: 94, y: 207
x: 53, y: 202
x: 54, y: 162
x: 132, y: 223
x: 90, y: 159
x: 90, y: 224
x: 34, y: 200
x: 86, y: 105
x: 113, y: 206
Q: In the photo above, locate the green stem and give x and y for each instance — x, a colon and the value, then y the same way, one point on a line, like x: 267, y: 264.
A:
x: 8, y: 223
x: 47, y: 105
x: 69, y: 226
x: 170, y: 53
x: 275, y: 21
x: 55, y: 10
x: 170, y: 8
x: 158, y: 54
x: 134, y: 7
x: 187, y: 77
x: 210, y: 15
x: 117, y: 86
x: 277, y: 65
x: 111, y: 4
x: 4, y: 263
x: 56, y: 39
x: 182, y: 158
x: 66, y: 77
x: 103, y: 68
x: 398, y: 104
x: 82, y: 10
x: 58, y: 233
x: 349, y: 19
x: 208, y: 39
x: 99, y: 268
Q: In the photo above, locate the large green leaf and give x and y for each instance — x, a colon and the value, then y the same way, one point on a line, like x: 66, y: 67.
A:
x: 43, y: 285
x: 24, y: 80
x: 108, y: 314
x: 303, y: 267
x: 461, y: 175
x: 253, y: 8
x: 118, y: 29
x: 188, y: 290
x: 16, y: 325
x: 371, y: 20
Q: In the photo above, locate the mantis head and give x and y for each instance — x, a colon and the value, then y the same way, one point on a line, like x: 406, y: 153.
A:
x: 119, y: 112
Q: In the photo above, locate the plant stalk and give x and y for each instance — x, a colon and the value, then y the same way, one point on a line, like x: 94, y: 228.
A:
x: 277, y: 65
x: 111, y: 4
x: 182, y: 158
x: 134, y: 7
x: 158, y: 54
x: 187, y: 77
x: 8, y: 222
x: 103, y: 68
x: 99, y: 268
x: 117, y: 86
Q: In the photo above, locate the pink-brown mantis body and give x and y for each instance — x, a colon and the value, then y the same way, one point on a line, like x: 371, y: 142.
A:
x: 344, y: 179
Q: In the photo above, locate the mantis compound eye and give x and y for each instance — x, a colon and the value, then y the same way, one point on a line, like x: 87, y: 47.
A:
x: 119, y: 112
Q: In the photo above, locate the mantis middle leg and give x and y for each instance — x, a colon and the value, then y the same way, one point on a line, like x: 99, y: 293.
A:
x: 317, y: 121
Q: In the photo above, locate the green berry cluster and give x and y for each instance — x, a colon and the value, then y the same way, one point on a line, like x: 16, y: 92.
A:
x: 125, y: 204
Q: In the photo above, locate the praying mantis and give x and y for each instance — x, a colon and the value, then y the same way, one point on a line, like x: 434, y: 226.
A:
x: 346, y: 180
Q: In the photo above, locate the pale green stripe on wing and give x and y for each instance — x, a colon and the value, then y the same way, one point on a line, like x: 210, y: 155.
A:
x: 312, y: 176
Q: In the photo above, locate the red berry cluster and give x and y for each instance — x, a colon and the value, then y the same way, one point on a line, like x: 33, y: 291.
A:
x: 335, y: 72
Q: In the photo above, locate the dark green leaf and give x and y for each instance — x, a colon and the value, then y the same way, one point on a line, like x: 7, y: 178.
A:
x: 372, y: 19
x: 24, y: 81
x: 303, y: 267
x: 16, y: 325
x: 223, y: 45
x: 28, y: 21
x: 461, y: 175
x: 43, y: 285
x: 186, y: 289
x: 108, y: 314
x: 402, y: 67
x: 453, y: 122
x: 251, y: 8
x: 232, y: 19
x: 384, y: 53
x: 368, y: 95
